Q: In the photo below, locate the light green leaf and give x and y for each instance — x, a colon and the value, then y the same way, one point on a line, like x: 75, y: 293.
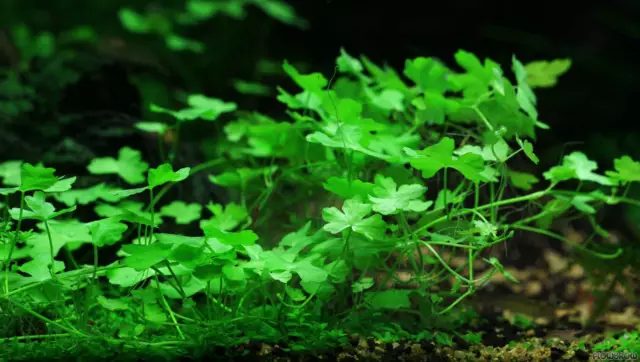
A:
x: 354, y: 217
x: 544, y: 73
x: 626, y: 170
x: 434, y: 158
x: 388, y: 199
x: 129, y: 166
x: 143, y: 257
x: 106, y: 231
x: 113, y: 304
x: 347, y: 190
x: 577, y: 166
x: 36, y: 177
x: 182, y: 212
x: 164, y: 174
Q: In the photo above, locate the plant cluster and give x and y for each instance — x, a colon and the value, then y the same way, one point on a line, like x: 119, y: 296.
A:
x: 373, y: 171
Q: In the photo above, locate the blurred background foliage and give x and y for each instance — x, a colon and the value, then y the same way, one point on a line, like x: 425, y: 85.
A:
x: 76, y: 75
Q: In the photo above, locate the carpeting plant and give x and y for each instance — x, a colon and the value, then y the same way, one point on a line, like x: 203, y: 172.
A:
x: 373, y: 173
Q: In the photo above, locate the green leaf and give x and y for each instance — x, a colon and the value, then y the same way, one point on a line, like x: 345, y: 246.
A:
x: 129, y: 166
x: 348, y: 64
x: 577, y: 166
x: 314, y: 82
x: 309, y: 272
x: 626, y: 170
x: 133, y: 21
x: 233, y: 272
x: 241, y: 177
x: 143, y: 257
x: 128, y: 331
x: 522, y: 180
x: 152, y: 127
x: 36, y: 178
x: 388, y: 199
x: 88, y: 196
x: 525, y: 96
x: 388, y: 100
x: 362, y: 285
x: 38, y: 268
x: 388, y: 299
x: 62, y: 185
x: 251, y: 88
x: 154, y: 313
x: 200, y: 106
x: 245, y: 237
x: 348, y: 190
x: 225, y: 219
x: 544, y: 73
x: 428, y: 74
x: 164, y: 174
x: 10, y: 172
x: 434, y: 158
x: 354, y: 217
x: 106, y: 231
x: 39, y: 209
x: 113, y: 304
x: 182, y: 212
x: 527, y: 148
x: 497, y: 152
x: 188, y: 255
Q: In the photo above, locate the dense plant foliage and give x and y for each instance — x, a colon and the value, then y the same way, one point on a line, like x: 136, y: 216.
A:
x: 372, y: 172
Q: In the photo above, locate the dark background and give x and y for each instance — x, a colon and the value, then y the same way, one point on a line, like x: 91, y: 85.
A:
x: 590, y: 108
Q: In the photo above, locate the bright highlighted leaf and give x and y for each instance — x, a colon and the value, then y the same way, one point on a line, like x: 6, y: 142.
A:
x: 152, y: 127
x: 143, y: 257
x: 577, y: 166
x: 182, y: 212
x: 164, y: 174
x: 544, y: 73
x: 627, y: 170
x: 348, y: 64
x: 200, y: 106
x: 313, y: 82
x: 428, y: 74
x: 129, y: 166
x: 39, y: 209
x: 388, y: 199
x: 10, y: 172
x: 36, y: 177
x: 355, y: 218
x: 388, y: 100
x: 439, y: 156
x: 63, y: 184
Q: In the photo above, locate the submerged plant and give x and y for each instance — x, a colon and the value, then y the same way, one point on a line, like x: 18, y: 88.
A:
x: 371, y: 171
